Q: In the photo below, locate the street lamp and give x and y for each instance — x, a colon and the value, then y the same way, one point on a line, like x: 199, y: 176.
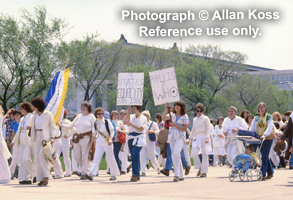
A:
x: 291, y: 85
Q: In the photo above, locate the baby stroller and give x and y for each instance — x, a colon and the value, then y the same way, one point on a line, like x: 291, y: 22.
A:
x: 248, y: 137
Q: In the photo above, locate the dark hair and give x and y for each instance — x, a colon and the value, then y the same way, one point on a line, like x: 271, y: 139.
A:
x: 288, y: 113
x: 39, y: 103
x: 27, y: 106
x: 88, y: 105
x: 182, y: 105
x: 159, y: 117
x: 139, y: 108
x: 277, y: 125
x: 220, y: 118
x: 65, y: 115
x: 200, y: 106
x: 249, y: 115
x: 250, y: 147
x: 283, y: 119
x: 242, y: 113
x: 283, y: 128
x: 98, y: 110
x: 12, y: 111
x: 212, y: 121
x: 16, y: 112
x: 113, y: 113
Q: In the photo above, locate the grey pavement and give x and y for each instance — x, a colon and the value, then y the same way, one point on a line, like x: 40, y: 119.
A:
x: 153, y: 186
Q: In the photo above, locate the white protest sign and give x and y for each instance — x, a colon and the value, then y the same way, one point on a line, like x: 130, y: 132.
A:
x: 164, y: 86
x: 130, y: 89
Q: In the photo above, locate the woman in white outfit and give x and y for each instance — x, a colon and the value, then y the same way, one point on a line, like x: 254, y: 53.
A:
x: 200, y: 134
x: 65, y: 138
x: 230, y: 128
x: 177, y: 136
x: 23, y: 141
x: 218, y: 142
x: 85, y: 127
x: 104, y: 129
x: 149, y: 151
x: 42, y: 129
x: 123, y: 155
x: 4, y: 155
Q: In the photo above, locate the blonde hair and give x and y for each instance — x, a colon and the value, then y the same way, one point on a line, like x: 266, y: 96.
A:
x: 146, y: 112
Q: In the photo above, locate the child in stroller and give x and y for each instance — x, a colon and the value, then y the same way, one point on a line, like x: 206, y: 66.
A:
x: 244, y: 161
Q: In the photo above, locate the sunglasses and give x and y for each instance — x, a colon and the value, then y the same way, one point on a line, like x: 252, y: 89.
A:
x: 100, y: 113
x: 199, y: 111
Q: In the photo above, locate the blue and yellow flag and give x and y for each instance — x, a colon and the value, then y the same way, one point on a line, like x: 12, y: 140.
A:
x: 57, y: 93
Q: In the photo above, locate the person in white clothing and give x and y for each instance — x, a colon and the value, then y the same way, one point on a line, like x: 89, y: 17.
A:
x: 23, y: 142
x: 136, y: 138
x: 65, y: 139
x: 230, y: 128
x: 177, y: 136
x: 15, y: 149
x: 4, y: 155
x: 43, y: 129
x: 85, y: 127
x: 160, y: 122
x: 200, y: 134
x: 103, y: 143
x: 218, y: 142
x: 149, y: 151
x: 123, y: 155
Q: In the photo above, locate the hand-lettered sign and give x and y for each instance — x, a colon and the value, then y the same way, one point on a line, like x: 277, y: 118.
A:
x: 164, y: 86
x: 130, y: 89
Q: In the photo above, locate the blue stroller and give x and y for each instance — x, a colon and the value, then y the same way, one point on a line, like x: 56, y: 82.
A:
x: 248, y: 137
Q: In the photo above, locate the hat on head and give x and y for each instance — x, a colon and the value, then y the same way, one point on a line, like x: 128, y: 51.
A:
x: 107, y: 115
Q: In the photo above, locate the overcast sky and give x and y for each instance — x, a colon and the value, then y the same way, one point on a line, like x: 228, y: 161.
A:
x: 272, y: 49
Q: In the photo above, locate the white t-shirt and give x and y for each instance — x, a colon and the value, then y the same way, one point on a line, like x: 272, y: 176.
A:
x: 83, y: 124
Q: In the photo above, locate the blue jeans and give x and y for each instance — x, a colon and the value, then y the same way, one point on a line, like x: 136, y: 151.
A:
x: 168, y: 165
x: 134, y: 151
x: 245, y: 167
x: 266, y: 166
x: 117, y: 148
x: 291, y: 160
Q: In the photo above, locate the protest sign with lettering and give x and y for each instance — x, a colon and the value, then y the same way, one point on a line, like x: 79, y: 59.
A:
x: 130, y: 89
x: 164, y: 86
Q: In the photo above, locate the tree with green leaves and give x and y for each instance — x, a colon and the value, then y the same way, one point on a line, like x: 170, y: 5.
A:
x: 28, y: 54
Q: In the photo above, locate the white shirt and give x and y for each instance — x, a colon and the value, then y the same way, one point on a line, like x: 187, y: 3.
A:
x: 237, y: 123
x: 201, y: 127
x: 154, y: 128
x: 83, y: 123
x: 39, y: 121
x: 140, y: 121
x: 67, y: 131
x: 101, y: 126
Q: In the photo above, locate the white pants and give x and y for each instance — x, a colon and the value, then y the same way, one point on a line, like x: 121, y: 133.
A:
x: 124, y: 158
x: 26, y: 167
x: 161, y: 160
x: 204, y: 165
x: 4, y: 168
x: 15, y: 157
x: 176, y: 148
x: 186, y: 149
x: 101, y: 147
x: 232, y: 150
x: 42, y: 163
x: 81, y: 154
x: 74, y: 163
x: 148, y: 151
x: 65, y: 149
x: 58, y: 167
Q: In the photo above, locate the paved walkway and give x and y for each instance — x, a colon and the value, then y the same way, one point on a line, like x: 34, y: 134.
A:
x: 215, y: 186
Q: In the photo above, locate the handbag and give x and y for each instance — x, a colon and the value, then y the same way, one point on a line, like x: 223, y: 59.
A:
x: 121, y: 137
x: 49, y: 152
x: 152, y: 136
x: 272, y: 136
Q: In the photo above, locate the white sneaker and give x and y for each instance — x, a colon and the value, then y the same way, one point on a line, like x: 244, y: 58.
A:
x: 113, y: 178
x: 158, y: 170
x: 5, y: 181
x: 143, y: 174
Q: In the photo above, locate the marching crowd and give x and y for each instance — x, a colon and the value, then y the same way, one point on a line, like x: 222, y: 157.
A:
x: 130, y: 140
